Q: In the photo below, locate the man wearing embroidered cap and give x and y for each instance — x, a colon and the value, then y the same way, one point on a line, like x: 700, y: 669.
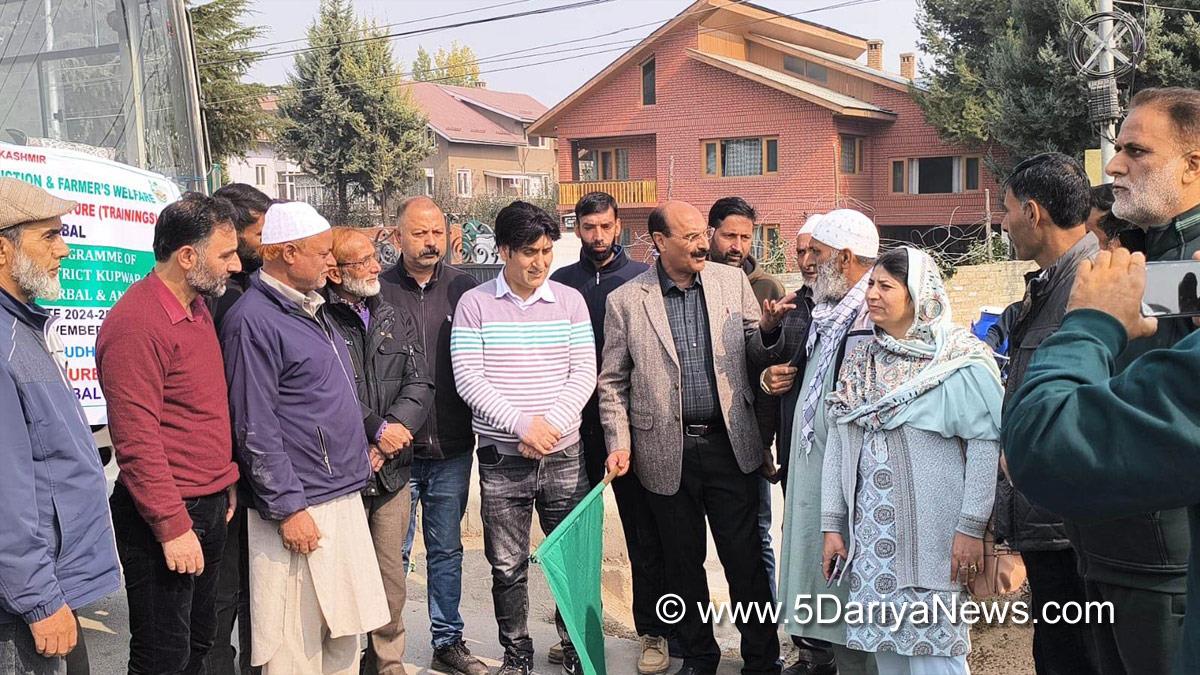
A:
x: 315, y: 585
x: 56, y: 542
x: 843, y: 249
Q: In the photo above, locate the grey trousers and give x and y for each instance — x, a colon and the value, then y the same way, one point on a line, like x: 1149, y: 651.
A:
x: 19, y: 656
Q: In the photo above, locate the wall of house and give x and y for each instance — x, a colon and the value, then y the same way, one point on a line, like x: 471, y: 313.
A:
x: 643, y: 163
x: 696, y: 102
x: 262, y: 154
x: 478, y: 158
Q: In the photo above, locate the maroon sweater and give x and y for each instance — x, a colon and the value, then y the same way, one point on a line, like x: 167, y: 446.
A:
x: 168, y: 406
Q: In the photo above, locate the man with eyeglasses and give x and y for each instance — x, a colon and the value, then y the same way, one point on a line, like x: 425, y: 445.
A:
x: 677, y: 402
x: 396, y: 393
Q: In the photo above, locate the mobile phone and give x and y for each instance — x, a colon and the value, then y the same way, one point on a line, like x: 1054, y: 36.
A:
x: 488, y: 455
x: 838, y: 568
x: 1172, y: 289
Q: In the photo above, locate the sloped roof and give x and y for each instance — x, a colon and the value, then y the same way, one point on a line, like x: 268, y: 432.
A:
x: 813, y: 93
x: 520, y: 107
x: 458, y: 121
x: 860, y: 68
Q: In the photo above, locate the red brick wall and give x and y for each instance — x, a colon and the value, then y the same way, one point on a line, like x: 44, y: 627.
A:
x: 696, y: 102
x: 642, y: 162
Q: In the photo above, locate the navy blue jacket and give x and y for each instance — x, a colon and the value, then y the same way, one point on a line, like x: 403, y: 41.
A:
x: 297, y: 423
x: 595, y: 285
x: 56, y: 537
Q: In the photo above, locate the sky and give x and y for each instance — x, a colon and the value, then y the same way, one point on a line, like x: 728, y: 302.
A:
x: 584, y: 50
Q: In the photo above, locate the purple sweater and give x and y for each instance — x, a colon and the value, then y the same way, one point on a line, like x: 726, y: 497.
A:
x: 515, y: 360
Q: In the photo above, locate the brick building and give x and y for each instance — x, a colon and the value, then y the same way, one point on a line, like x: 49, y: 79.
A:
x: 734, y: 99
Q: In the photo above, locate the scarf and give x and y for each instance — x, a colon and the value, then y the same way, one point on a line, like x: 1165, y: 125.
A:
x: 938, y: 377
x: 831, y: 322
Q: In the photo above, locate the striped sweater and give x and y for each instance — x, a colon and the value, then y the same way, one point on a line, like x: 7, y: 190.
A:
x: 515, y: 360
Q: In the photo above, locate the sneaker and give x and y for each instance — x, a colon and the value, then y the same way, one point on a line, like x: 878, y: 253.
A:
x: 654, y: 658
x: 571, y: 664
x: 515, y: 665
x: 555, y: 655
x: 456, y: 658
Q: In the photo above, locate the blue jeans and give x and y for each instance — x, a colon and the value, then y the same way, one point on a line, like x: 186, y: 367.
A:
x: 441, y: 486
x: 764, y: 529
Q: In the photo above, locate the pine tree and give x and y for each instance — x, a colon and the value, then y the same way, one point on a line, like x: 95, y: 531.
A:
x: 422, y: 66
x: 346, y: 120
x: 232, y: 114
x: 1002, y: 74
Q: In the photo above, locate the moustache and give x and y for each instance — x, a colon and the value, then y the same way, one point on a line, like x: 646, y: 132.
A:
x: 700, y: 254
x: 431, y: 253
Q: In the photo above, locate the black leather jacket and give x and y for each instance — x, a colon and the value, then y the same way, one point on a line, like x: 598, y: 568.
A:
x: 393, y: 382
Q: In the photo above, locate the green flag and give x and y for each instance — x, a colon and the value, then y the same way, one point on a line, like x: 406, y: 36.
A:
x: 571, y: 558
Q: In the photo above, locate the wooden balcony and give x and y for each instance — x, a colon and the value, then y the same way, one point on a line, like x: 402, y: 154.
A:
x: 626, y: 192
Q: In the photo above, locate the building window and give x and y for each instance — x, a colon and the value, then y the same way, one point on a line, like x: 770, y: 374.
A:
x: 766, y: 237
x: 898, y: 175
x: 851, y: 153
x: 648, y: 93
x: 535, y: 142
x: 935, y: 175
x: 609, y: 164
x: 806, y: 69
x: 971, y: 173
x: 464, y: 183
x: 260, y: 174
x: 428, y: 182
x: 431, y: 137
x: 740, y: 157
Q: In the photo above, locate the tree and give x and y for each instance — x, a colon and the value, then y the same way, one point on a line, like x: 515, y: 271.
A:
x: 422, y: 66
x: 232, y: 114
x: 1002, y: 76
x: 346, y: 119
x: 457, y: 65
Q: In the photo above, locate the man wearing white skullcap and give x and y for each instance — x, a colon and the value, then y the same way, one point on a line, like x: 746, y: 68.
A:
x: 315, y: 585
x: 807, y: 263
x: 843, y: 247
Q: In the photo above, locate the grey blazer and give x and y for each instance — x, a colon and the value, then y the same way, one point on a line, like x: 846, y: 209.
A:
x: 639, y: 385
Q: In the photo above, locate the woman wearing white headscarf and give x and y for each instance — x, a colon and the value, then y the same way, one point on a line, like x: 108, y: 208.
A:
x: 910, y: 468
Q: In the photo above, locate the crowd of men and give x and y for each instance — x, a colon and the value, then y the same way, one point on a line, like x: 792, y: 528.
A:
x: 280, y: 406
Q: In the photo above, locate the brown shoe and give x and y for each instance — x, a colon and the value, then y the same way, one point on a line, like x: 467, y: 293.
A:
x: 654, y: 658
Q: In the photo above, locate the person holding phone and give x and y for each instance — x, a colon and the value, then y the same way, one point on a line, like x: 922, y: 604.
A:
x: 911, y: 462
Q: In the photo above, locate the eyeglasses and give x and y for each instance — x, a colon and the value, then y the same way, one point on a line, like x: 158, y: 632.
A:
x: 359, y: 263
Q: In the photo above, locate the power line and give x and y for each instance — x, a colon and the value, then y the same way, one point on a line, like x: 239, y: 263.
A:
x: 400, y: 23
x: 422, y: 31
x: 1162, y: 7
x: 498, y: 57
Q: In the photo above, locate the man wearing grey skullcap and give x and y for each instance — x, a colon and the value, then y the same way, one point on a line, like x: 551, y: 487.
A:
x: 56, y: 543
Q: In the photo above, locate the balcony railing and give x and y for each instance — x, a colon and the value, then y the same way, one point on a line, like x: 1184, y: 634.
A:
x: 626, y: 192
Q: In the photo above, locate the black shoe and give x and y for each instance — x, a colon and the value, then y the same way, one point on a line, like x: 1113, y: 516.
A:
x: 806, y: 665
x: 571, y: 664
x: 515, y: 665
x: 456, y: 658
x: 693, y: 670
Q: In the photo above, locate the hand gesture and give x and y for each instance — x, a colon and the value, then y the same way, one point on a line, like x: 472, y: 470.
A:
x: 300, y: 533
x: 184, y: 555
x: 1113, y: 284
x: 778, y: 380
x: 618, y: 460
x: 395, y: 438
x: 541, y: 436
x: 774, y: 311
x: 966, y: 558
x: 56, y: 635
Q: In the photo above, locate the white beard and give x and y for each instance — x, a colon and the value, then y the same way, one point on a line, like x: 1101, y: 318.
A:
x: 34, y: 281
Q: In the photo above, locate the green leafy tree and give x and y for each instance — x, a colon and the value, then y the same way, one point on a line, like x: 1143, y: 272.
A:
x: 1001, y: 74
x: 456, y: 65
x: 422, y: 66
x: 345, y: 118
x: 232, y: 114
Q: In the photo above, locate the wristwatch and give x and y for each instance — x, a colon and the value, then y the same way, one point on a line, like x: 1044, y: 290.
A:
x: 762, y: 382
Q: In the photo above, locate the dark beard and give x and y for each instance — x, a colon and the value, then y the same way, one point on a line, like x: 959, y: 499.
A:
x: 598, y: 256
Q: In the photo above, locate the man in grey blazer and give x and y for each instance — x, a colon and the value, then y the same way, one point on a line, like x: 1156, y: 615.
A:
x: 676, y: 401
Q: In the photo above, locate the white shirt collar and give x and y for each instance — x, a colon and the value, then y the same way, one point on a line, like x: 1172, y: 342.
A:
x: 542, y: 292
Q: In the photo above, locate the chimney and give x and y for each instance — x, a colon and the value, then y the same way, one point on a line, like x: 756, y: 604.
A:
x: 875, y: 54
x: 908, y: 66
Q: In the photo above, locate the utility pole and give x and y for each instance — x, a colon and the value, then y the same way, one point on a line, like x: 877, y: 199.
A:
x: 1108, y: 131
